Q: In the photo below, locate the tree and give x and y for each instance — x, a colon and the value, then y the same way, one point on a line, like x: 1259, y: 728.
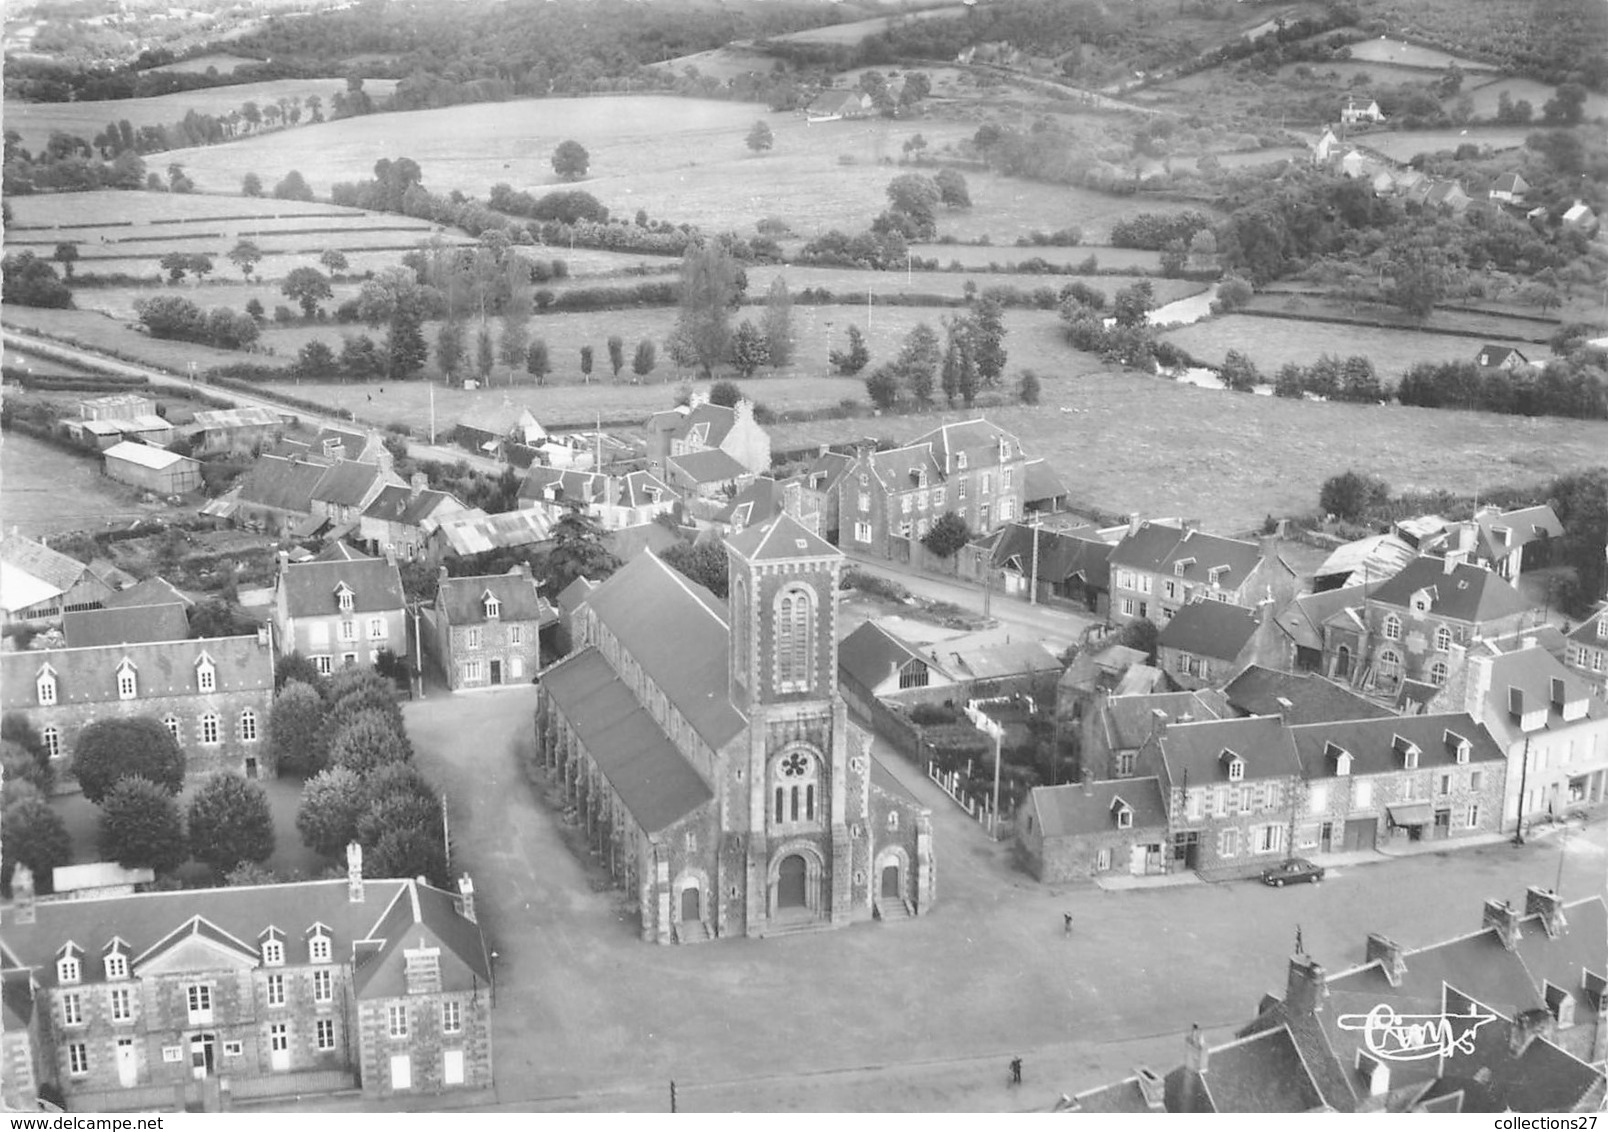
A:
x: 578, y: 550
x: 709, y: 289
x: 1350, y: 494
x: 296, y: 732
x: 294, y: 667
x: 306, y: 286
x: 66, y: 254
x: 230, y: 822
x: 882, y: 386
x: 485, y: 353
x: 1359, y: 381
x: 245, y: 255
x: 706, y: 563
x: 512, y: 342
x: 141, y: 827
x: 616, y: 347
x: 22, y: 769
x: 537, y: 363
x: 725, y: 394
x: 748, y: 348
x: 1566, y: 107
x: 1290, y: 381
x: 396, y: 299
x: 354, y: 690
x: 409, y: 852
x: 952, y: 190
x: 176, y: 264
x: 851, y: 361
x: 1029, y: 389
x: 33, y: 835
x: 918, y: 363
x: 293, y: 186
x: 586, y: 365
x: 1174, y: 258
x: 449, y: 348
x: 988, y: 340
x: 647, y: 356
x: 251, y: 185
x: 778, y: 323
x: 570, y: 160
x: 368, y: 740
x: 760, y: 137
x: 1131, y: 304
x: 1239, y: 373
x: 333, y: 260
x: 948, y: 534
x: 19, y: 729
x: 109, y: 750
x: 916, y: 196
x: 215, y: 617
x: 332, y: 801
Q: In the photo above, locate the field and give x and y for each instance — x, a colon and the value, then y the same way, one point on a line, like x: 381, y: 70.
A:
x: 852, y: 33
x: 1270, y: 343
x: 972, y: 255
x: 1404, y: 145
x: 681, y: 159
x: 1410, y: 55
x: 48, y: 491
x: 1482, y: 322
x: 1485, y: 97
x: 35, y: 120
x: 1138, y: 444
x: 225, y: 64
x: 96, y: 331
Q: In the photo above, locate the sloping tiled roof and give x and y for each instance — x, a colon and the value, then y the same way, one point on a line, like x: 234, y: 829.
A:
x: 677, y: 631
x: 708, y: 465
x: 280, y: 483
x: 1012, y: 658
x: 346, y: 482
x: 89, y: 675
x: 716, y: 422
x: 1303, y: 619
x: 421, y: 915
x: 1313, y: 699
x: 1209, y: 628
x: 1196, y: 555
x: 1464, y: 593
x: 1129, y: 720
x: 561, y: 484
x: 1061, y: 555
x: 1264, y: 1072
x: 871, y: 654
x: 1370, y: 742
x: 754, y: 504
x: 574, y: 594
x: 1588, y: 633
x: 310, y: 586
x: 900, y: 469
x: 1524, y: 525
x: 151, y: 591
x: 979, y: 438
x: 780, y: 538
x: 625, y: 543
x: 1533, y: 672
x: 1073, y: 810
x: 396, y: 503
x: 652, y: 779
x: 463, y: 599
x: 1042, y: 482
x: 1196, y: 751
x: 1148, y: 547
x: 126, y: 625
x: 37, y: 560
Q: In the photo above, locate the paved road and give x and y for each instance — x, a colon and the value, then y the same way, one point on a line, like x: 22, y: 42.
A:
x: 163, y: 380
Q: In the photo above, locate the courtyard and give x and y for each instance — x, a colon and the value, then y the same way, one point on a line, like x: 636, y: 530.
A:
x: 917, y: 1015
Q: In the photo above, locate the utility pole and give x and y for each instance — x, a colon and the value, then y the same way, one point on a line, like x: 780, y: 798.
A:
x: 432, y: 414
x: 1524, y: 777
x: 1032, y: 585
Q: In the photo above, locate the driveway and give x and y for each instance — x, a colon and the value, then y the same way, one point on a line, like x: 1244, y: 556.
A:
x: 915, y: 1015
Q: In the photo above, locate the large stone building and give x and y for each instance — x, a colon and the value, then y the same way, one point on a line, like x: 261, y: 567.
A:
x: 165, y: 999
x: 340, y: 613
x: 487, y: 629
x: 708, y: 750
x: 213, y: 694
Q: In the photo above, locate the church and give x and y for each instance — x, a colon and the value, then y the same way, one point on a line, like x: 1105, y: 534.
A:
x: 706, y: 750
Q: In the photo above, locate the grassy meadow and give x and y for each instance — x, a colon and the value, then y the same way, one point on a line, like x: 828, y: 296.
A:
x: 1411, y: 55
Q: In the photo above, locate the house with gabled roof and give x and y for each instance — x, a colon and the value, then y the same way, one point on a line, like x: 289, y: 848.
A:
x: 1587, y: 651
x: 1071, y: 566
x: 760, y: 500
x: 472, y: 531
x: 708, y: 473
x: 1119, y: 724
x: 835, y: 105
x: 1206, y: 643
x: 1509, y: 188
x: 1160, y: 566
x: 487, y: 629
x: 873, y: 662
x: 280, y: 990
x: 699, y: 426
x: 1492, y: 356
x: 1046, y: 492
x: 1083, y: 830
x: 155, y: 590
x: 341, y: 613
x: 40, y: 584
x: 706, y: 746
x: 400, y: 519
x: 615, y: 500
x: 491, y: 428
x: 1297, y: 697
x: 275, y: 494
x: 1579, y: 217
x: 1503, y: 537
x: 127, y: 624
x: 820, y: 489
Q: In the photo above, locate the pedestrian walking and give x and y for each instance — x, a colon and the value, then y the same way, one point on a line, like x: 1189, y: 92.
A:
x: 1016, y: 1071
x: 1067, y: 916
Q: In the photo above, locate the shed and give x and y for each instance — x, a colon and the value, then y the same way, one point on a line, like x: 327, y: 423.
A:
x: 152, y: 469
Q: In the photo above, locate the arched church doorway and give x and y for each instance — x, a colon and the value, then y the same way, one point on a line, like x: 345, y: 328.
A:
x: 791, y: 883
x: 892, y: 886
x: 689, y: 904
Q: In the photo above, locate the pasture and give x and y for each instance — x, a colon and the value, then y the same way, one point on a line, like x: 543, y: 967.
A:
x: 1142, y: 444
x: 1411, y: 55
x: 978, y: 257
x: 1486, y: 96
x: 1271, y: 343
x: 226, y: 64
x: 35, y: 121
x: 1404, y: 145
x: 849, y: 34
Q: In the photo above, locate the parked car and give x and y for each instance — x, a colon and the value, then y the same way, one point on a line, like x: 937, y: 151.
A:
x: 1292, y: 871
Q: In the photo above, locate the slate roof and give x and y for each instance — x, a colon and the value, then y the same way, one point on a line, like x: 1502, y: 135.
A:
x: 1061, y: 554
x: 708, y: 465
x: 755, y: 503
x: 346, y: 482
x: 151, y: 591
x: 1199, y: 554
x: 1012, y: 658
x: 709, y: 421
x: 1532, y: 671
x: 1587, y: 633
x: 281, y: 483
x: 89, y: 675
x: 572, y: 595
x: 979, y: 438
x: 1370, y: 743
x: 625, y: 543
x: 1196, y: 751
x: 1525, y: 525
x: 677, y: 631
x: 497, y: 419
x: 1072, y: 810
x: 829, y: 468
x: 341, y: 551
x: 563, y: 484
x: 125, y: 625
x: 237, y: 917
x: 37, y: 560
x: 1119, y: 1096
x: 1262, y: 1072
x: 1042, y: 483
x: 1147, y: 548
x: 1209, y: 628
x: 652, y: 779
x: 1491, y: 355
x: 463, y: 599
x: 1303, y: 619
x: 1582, y: 946
x: 871, y: 654
x: 782, y: 537
x: 396, y: 503
x: 897, y: 468
x: 1313, y: 699
x: 310, y: 586
x: 1129, y: 720
x: 1465, y: 593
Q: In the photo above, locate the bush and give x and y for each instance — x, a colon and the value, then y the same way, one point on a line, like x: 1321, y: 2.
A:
x: 141, y: 828
x: 230, y: 822
x: 1350, y: 494
x: 110, y: 750
x: 874, y: 584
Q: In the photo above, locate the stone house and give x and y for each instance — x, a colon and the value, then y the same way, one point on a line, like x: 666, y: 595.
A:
x: 1119, y: 725
x: 615, y: 500
x: 707, y: 474
x: 701, y: 426
x: 340, y: 613
x: 1081, y: 831
x: 151, y: 1000
x: 1055, y: 566
x: 1207, y: 643
x: 763, y: 498
x: 488, y: 629
x: 707, y: 750
x: 1587, y: 651
x: 275, y: 494
x: 1159, y: 567
x: 821, y: 495
x: 1509, y: 188
x: 399, y: 520
x: 1410, y: 778
x: 212, y: 694
x: 1353, y: 114
x: 346, y: 489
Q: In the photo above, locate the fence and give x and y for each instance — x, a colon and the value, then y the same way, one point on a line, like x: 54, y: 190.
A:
x: 949, y: 781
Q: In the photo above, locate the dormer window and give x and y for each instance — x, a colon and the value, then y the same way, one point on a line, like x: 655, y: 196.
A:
x: 493, y: 607
x: 273, y: 950
x: 45, y: 686
x: 1123, y: 812
x: 960, y: 460
x: 1407, y: 749
x: 127, y: 684
x: 69, y: 968
x: 320, y: 948
x: 206, y: 674
x: 1602, y: 626
x: 1214, y: 575
x: 1421, y: 601
x: 1235, y: 764
x: 117, y: 965
x: 344, y: 598
x: 1342, y: 764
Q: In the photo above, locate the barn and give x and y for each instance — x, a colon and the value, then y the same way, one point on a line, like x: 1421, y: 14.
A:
x: 152, y: 469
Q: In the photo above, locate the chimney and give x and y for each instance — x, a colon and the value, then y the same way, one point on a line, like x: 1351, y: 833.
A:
x: 1285, y: 708
x: 742, y: 411
x: 1087, y: 782
x: 1305, y: 989
x: 1196, y: 1056
x: 1134, y: 523
x: 1548, y: 905
x: 354, y: 873
x: 1152, y: 1087
x: 1479, y: 685
x: 390, y: 553
x: 284, y: 559
x: 22, y: 895
x: 1375, y: 1073
x: 1526, y: 1028
x: 1388, y: 952
x: 1450, y: 563
x: 265, y: 635
x: 441, y: 576
x: 417, y: 483
x: 1499, y: 914
x: 466, y: 898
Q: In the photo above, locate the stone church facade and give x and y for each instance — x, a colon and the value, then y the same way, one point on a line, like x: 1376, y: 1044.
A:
x: 707, y: 751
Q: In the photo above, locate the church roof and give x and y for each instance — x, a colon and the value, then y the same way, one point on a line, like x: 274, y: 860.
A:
x: 781, y: 537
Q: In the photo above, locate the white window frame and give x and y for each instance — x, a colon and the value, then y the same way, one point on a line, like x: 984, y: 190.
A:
x: 862, y: 532
x: 279, y: 1037
x: 1391, y: 630
x: 396, y: 1021
x: 472, y: 671
x: 1471, y: 816
x: 471, y: 638
x: 72, y: 1008
x: 273, y: 953
x: 117, y: 965
x: 493, y: 609
x: 323, y: 986
x: 121, y: 1001
x: 377, y: 629
x: 325, y: 664
x: 45, y: 687
x: 1228, y: 843
x: 320, y: 948
x: 324, y: 1035
x: 69, y: 971
x: 211, y: 729
x: 128, y: 682
x: 51, y: 737
x: 349, y: 629
x: 78, y: 1059
x: 345, y: 600
x: 274, y: 990
x: 516, y: 634
x: 1443, y: 639
x: 452, y: 1017
x: 1102, y: 860
x: 198, y: 1003
x: 248, y: 726
x: 206, y: 676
